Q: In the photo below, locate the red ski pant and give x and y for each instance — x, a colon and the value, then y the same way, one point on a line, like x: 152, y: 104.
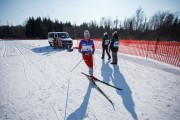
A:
x: 88, y: 59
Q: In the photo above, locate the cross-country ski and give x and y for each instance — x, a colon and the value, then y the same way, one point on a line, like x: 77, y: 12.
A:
x: 99, y: 89
x: 104, y: 82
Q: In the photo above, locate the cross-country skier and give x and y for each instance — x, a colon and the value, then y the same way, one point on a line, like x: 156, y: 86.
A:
x: 105, y: 46
x: 86, y: 47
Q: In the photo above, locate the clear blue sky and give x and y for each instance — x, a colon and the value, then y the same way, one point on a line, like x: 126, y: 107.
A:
x: 15, y: 12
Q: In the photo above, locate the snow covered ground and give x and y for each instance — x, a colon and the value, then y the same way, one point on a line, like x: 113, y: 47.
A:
x: 36, y: 84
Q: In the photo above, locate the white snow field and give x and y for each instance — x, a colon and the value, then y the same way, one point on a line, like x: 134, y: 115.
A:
x: 36, y: 83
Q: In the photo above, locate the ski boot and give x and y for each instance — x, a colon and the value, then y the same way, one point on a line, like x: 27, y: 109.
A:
x: 92, y: 78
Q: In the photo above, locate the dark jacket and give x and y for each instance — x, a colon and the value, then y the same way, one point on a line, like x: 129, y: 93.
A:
x: 114, y: 46
x: 106, y: 41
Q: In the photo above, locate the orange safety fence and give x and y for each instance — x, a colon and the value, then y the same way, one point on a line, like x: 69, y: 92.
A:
x: 168, y: 52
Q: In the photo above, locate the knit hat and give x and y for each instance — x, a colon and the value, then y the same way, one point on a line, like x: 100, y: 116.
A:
x: 105, y: 33
x: 86, y: 32
x: 115, y: 32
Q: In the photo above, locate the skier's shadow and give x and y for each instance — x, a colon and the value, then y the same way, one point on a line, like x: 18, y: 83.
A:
x: 106, y: 71
x: 119, y: 81
x: 80, y: 113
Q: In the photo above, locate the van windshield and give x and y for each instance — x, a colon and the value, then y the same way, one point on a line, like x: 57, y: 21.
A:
x: 51, y: 35
x: 63, y: 35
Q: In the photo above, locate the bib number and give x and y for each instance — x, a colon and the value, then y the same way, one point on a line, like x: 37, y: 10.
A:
x: 106, y: 42
x: 86, y: 48
x: 116, y: 44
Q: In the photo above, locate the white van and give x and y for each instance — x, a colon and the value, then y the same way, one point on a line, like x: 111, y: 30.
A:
x: 64, y: 36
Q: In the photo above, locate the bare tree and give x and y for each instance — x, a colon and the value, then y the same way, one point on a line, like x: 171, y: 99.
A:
x: 102, y: 22
x: 109, y: 23
x: 139, y: 19
x: 116, y: 22
x: 157, y: 20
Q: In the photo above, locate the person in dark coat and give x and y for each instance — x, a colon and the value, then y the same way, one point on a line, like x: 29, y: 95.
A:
x: 114, y: 46
x: 105, y: 46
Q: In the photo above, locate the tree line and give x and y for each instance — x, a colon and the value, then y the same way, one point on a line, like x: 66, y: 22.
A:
x: 162, y: 25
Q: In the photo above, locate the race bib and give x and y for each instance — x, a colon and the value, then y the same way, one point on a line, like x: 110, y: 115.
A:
x: 106, y: 42
x: 116, y: 44
x: 86, y: 48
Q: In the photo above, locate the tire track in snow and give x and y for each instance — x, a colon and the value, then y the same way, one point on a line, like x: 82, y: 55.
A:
x: 8, y: 43
x: 8, y: 47
x: 27, y: 83
x: 24, y: 52
x: 28, y: 59
x: 5, y: 49
x: 41, y: 70
x: 55, y: 112
x: 67, y: 97
x: 1, y: 47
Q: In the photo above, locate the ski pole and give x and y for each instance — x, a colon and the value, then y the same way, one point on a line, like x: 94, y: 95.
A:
x: 76, y: 65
